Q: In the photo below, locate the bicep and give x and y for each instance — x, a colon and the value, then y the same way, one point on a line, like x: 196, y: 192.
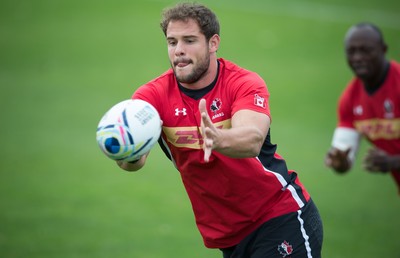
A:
x: 250, y: 118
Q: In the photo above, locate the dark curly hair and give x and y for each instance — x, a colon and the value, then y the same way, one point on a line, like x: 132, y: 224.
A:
x: 204, y: 17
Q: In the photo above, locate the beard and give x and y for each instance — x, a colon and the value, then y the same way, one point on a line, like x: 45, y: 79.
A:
x: 196, y: 73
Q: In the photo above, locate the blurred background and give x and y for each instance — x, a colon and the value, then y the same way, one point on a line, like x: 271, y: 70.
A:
x: 63, y: 63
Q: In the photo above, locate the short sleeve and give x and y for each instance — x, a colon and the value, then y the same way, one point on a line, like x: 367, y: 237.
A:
x: 345, y: 110
x: 251, y: 93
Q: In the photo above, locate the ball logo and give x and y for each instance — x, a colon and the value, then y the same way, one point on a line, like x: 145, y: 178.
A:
x: 145, y: 115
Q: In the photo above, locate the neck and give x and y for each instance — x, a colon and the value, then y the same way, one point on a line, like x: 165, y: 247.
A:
x: 374, y: 83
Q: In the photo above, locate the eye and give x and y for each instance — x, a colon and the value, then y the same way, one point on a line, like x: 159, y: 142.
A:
x: 171, y: 42
x: 350, y: 51
x: 367, y: 50
x: 190, y: 40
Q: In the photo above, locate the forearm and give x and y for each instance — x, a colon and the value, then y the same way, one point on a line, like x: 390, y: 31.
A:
x: 240, y: 142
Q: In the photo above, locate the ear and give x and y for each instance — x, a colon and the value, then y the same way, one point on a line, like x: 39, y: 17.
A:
x: 213, y: 43
x: 385, y: 48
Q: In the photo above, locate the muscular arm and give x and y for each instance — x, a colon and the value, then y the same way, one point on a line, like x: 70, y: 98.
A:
x: 244, y: 139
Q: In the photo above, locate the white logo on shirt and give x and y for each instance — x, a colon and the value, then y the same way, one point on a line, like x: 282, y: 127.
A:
x: 259, y: 101
x: 180, y: 112
x: 389, y: 108
x: 358, y: 110
x: 215, y: 107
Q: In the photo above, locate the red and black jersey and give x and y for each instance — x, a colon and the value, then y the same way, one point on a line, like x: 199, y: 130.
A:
x: 375, y: 115
x: 230, y: 197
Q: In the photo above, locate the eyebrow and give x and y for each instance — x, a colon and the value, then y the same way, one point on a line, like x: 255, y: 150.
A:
x: 184, y: 37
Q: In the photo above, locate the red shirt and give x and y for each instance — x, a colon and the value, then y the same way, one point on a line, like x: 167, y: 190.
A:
x: 376, y: 116
x: 230, y: 197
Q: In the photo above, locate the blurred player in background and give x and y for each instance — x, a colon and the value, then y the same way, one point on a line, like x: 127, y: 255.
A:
x: 369, y: 106
x: 216, y: 122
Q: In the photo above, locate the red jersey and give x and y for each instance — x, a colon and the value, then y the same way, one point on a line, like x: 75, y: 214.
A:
x: 376, y: 116
x: 230, y: 197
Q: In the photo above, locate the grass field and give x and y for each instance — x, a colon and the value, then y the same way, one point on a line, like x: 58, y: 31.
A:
x: 64, y: 63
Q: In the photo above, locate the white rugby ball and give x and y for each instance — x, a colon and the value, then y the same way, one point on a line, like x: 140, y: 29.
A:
x: 128, y: 130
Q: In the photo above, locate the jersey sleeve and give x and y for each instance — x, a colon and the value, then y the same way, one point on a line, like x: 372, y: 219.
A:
x: 345, y: 110
x: 250, y: 92
x: 147, y: 93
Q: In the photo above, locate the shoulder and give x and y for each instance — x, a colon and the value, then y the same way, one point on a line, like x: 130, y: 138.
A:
x: 353, y: 89
x: 234, y: 74
x: 155, y: 90
x: 235, y: 70
x: 395, y: 67
x: 395, y: 64
x: 159, y: 83
x: 164, y: 79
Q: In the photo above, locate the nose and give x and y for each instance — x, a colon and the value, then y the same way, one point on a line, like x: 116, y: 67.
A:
x: 358, y: 55
x: 179, y: 49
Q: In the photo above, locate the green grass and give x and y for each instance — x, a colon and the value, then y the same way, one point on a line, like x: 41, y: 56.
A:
x: 64, y: 63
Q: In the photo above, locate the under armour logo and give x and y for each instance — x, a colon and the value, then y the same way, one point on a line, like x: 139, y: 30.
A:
x: 180, y: 111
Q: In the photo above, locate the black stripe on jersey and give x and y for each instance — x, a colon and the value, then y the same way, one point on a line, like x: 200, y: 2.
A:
x: 163, y: 148
x: 270, y: 162
x: 299, y: 191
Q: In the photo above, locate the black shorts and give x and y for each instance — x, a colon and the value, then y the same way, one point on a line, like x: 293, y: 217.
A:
x: 294, y: 235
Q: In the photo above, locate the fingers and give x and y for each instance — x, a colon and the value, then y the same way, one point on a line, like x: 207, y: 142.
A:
x: 338, y: 160
x: 206, y: 124
x: 207, y: 146
x: 328, y: 160
x: 370, y: 166
x: 331, y: 160
x: 331, y: 157
x: 203, y: 112
x: 376, y: 160
x: 204, y: 115
x: 202, y: 106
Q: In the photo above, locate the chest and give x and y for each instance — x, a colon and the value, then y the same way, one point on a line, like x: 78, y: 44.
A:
x: 182, y: 120
x: 383, y: 104
x: 180, y: 110
x: 377, y: 116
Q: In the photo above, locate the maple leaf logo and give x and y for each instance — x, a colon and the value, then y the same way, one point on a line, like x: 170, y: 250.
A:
x: 285, y: 249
